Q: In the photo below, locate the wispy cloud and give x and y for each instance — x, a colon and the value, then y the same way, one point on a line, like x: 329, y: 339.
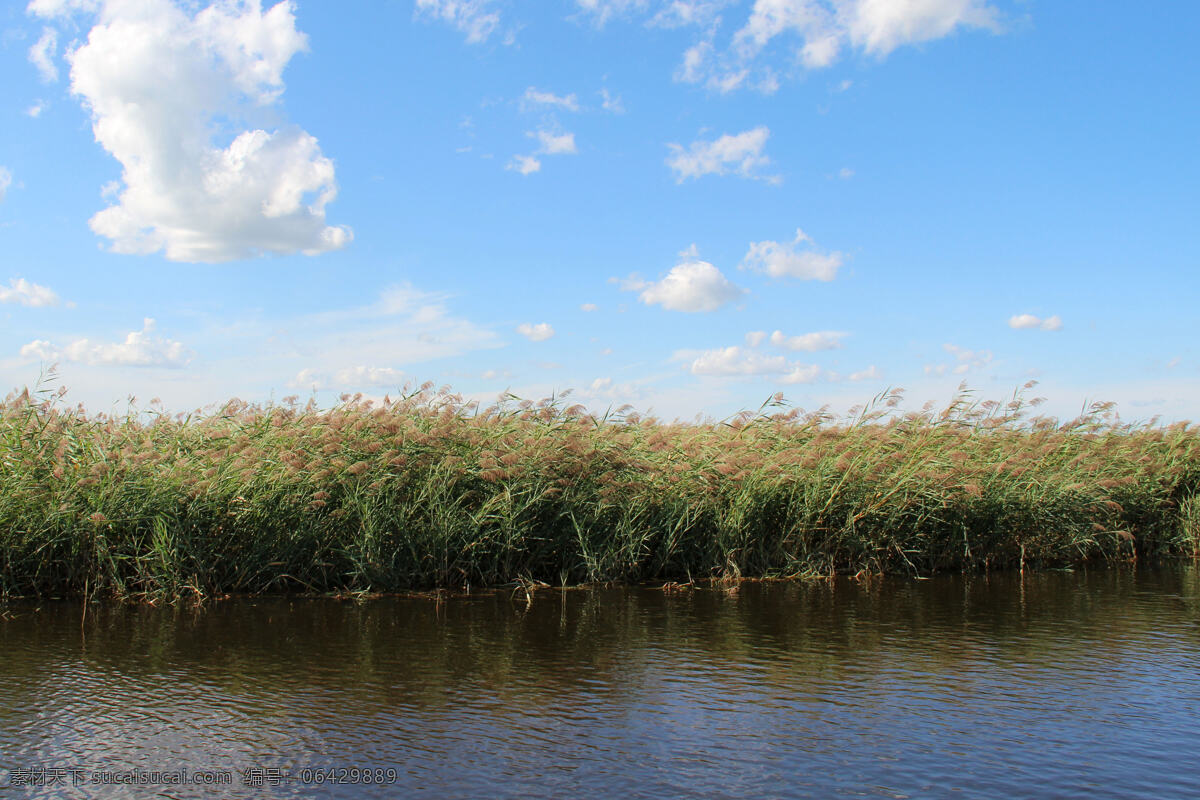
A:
x: 781, y: 36
x: 738, y: 154
x: 41, y: 55
x: 735, y: 361
x: 536, y: 333
x: 534, y: 98
x: 796, y: 259
x: 965, y: 361
x: 809, y: 342
x: 478, y: 19
x: 1031, y: 322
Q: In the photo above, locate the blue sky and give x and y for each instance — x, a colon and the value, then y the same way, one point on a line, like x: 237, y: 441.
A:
x: 683, y: 205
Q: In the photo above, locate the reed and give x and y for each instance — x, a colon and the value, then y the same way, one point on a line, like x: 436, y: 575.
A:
x: 429, y: 491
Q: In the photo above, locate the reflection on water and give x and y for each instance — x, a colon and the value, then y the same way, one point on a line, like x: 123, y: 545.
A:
x: 1057, y: 684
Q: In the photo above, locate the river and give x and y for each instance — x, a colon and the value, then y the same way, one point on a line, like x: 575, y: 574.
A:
x: 1050, y: 684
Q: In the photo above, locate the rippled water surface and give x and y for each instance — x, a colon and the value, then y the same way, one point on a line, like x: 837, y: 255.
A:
x: 1083, y: 684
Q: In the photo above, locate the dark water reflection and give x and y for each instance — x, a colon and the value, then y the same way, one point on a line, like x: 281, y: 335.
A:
x: 1057, y: 685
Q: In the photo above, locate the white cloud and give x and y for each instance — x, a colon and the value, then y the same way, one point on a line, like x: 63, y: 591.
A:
x: 524, y: 164
x: 755, y: 338
x: 24, y: 293
x: 845, y: 173
x: 308, y: 378
x: 140, y: 349
x: 690, y: 286
x: 967, y: 361
x: 611, y: 102
x: 682, y: 13
x: 476, y: 18
x: 36, y: 109
x: 5, y: 182
x: 369, y: 376
x: 868, y: 374
x: 781, y: 260
x: 161, y: 83
x: 536, y: 333
x: 41, y: 55
x: 809, y: 342
x: 815, y: 33
x: 739, y: 154
x: 728, y: 362
x: 1029, y: 321
x: 549, y: 144
x: 552, y: 144
x: 537, y: 97
x: 602, y: 11
x: 589, y: 307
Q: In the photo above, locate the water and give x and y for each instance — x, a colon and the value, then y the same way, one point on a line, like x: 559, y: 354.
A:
x: 1052, y: 685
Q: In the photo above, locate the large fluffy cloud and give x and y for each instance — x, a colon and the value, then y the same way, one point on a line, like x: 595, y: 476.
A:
x: 165, y: 85
x: 692, y: 285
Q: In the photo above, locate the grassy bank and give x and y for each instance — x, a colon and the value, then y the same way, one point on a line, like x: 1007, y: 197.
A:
x: 425, y: 491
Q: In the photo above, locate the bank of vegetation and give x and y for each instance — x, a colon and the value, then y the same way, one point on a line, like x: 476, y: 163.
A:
x: 427, y: 491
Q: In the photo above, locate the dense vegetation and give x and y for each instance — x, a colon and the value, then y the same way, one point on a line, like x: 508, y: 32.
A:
x: 427, y: 491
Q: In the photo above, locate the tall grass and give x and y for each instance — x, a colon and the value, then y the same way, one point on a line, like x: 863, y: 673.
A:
x: 427, y: 491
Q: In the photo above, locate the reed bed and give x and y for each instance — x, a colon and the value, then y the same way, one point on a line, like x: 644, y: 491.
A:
x: 428, y: 491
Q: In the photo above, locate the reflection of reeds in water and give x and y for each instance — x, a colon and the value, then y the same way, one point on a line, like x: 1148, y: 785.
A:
x: 429, y: 491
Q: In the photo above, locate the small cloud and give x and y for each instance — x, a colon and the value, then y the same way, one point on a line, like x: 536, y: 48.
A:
x: 140, y: 349
x: 611, y: 102
x: 475, y: 18
x: 809, y: 342
x: 5, y: 182
x: 602, y: 11
x: 589, y: 307
x: 691, y: 286
x: 728, y: 362
x: 36, y: 109
x: 535, y: 333
x: 755, y: 338
x: 307, y: 379
x: 41, y: 55
x: 600, y: 384
x: 369, y: 376
x: 1031, y: 322
x: 554, y: 144
x: 779, y: 259
x: 524, y: 164
x: 536, y: 97
x: 868, y: 374
x: 1173, y: 363
x: 737, y: 154
x: 549, y: 144
x: 967, y: 360
x: 843, y: 86
x: 845, y: 173
x: 22, y: 292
